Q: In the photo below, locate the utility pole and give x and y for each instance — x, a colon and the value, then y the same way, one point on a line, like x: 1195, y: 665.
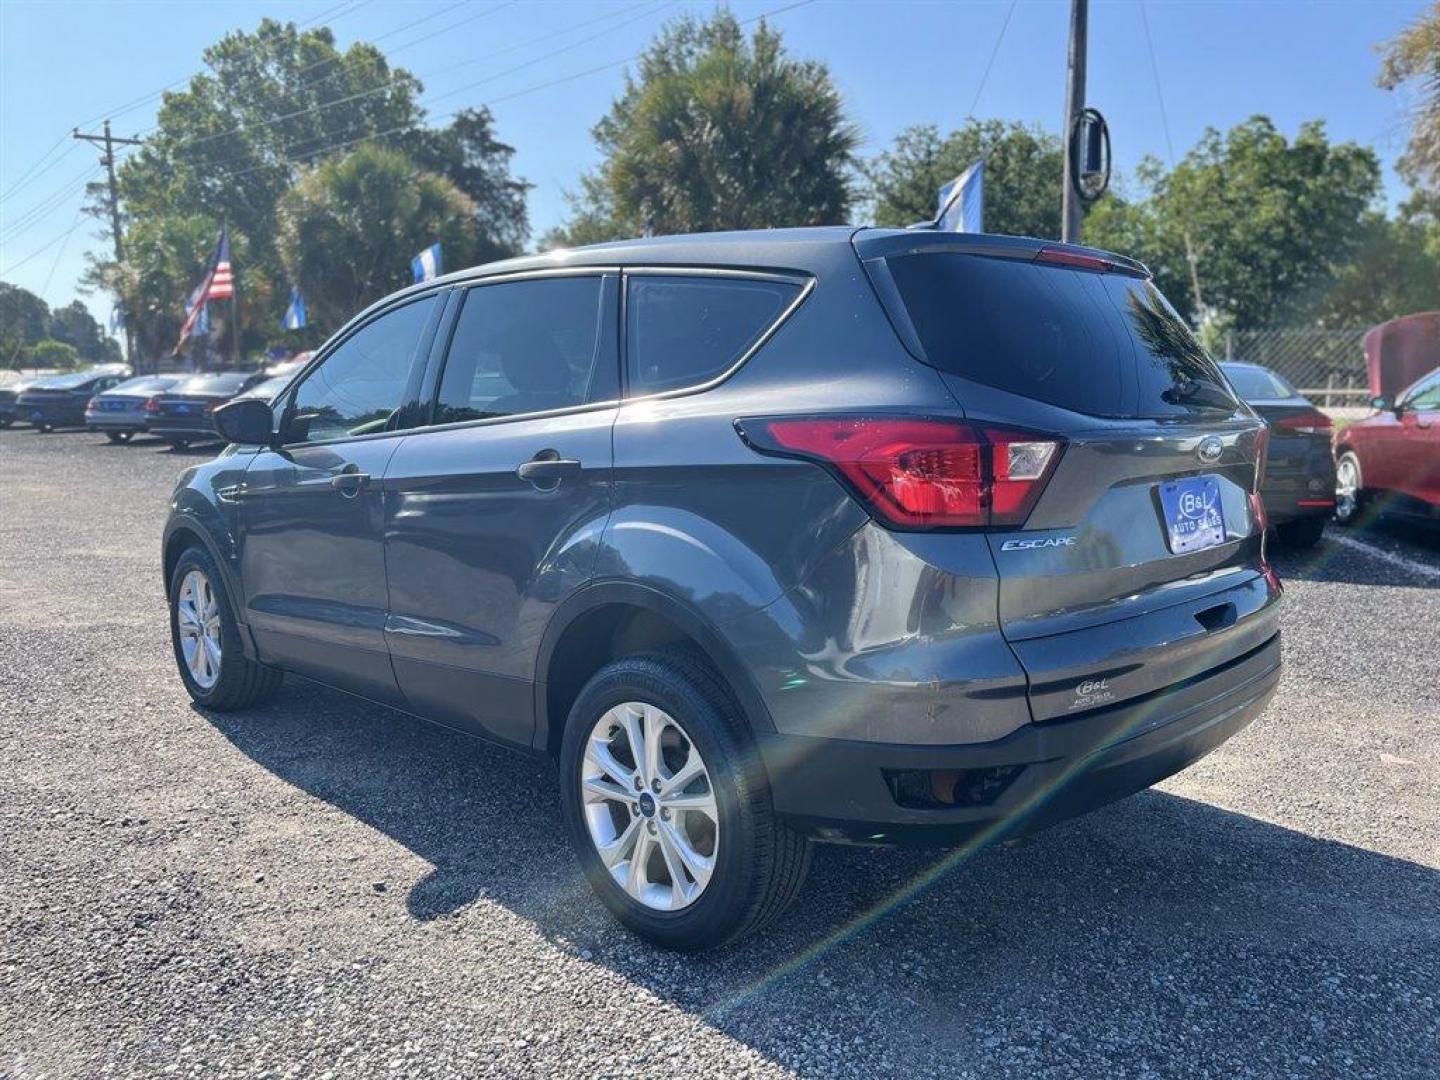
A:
x: 107, y: 143
x: 1070, y: 205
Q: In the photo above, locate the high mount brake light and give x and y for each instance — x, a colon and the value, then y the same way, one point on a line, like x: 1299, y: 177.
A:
x: 920, y: 473
x: 1077, y: 260
x: 1311, y: 423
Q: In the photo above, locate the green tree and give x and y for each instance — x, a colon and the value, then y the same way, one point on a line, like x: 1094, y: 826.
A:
x: 49, y: 353
x: 1022, y: 175
x: 24, y: 320
x: 717, y: 131
x: 230, y: 145
x: 1270, y: 221
x: 349, y: 228
x: 75, y: 325
x: 1413, y: 58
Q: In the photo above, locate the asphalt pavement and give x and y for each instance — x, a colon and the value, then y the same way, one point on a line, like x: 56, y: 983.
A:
x: 325, y: 888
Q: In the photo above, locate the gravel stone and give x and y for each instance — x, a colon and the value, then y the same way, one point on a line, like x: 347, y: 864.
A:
x: 327, y: 888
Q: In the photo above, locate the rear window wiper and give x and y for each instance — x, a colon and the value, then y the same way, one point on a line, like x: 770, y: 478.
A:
x: 1202, y: 394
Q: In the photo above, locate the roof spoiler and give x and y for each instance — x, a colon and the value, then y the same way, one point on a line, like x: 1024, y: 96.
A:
x: 923, y: 239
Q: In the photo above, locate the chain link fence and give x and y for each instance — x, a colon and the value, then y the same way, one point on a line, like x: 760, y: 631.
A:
x: 1327, y: 366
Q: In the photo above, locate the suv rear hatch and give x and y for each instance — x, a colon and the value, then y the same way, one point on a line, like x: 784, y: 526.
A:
x: 1141, y: 558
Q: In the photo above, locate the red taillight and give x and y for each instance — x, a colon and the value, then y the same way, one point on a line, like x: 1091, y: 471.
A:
x: 1262, y: 454
x: 1311, y: 423
x: 920, y: 473
x: 151, y: 405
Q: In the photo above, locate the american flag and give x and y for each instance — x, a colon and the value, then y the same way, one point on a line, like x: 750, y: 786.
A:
x: 222, y: 281
x: 218, y: 284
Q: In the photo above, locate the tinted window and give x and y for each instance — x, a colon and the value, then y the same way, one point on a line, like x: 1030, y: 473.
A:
x: 361, y: 385
x: 1425, y: 394
x: 145, y: 384
x: 1257, y: 383
x: 683, y: 331
x: 529, y: 346
x: 228, y: 382
x: 66, y: 382
x: 1104, y: 344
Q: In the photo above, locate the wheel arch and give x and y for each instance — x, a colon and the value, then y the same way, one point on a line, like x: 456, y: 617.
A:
x: 607, y: 620
x: 184, y: 531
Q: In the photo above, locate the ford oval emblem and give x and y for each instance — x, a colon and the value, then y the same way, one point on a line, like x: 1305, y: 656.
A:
x: 1210, y: 449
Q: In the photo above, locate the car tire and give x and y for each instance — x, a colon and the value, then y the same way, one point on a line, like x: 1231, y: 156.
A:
x: 6, y: 421
x: 45, y: 429
x: 178, y: 444
x: 235, y: 681
x: 119, y: 436
x: 756, y: 862
x: 1349, y: 488
x: 1302, y: 532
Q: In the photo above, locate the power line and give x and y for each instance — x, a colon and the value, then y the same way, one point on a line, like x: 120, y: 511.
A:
x: 37, y: 212
x: 42, y: 249
x: 30, y: 174
x: 994, y: 52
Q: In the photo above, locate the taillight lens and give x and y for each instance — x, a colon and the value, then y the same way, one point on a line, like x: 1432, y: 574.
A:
x: 151, y: 405
x: 1311, y: 423
x: 921, y: 473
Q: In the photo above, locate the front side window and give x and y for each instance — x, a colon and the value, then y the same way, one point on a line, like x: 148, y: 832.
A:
x: 527, y: 347
x: 684, y: 331
x: 360, y: 386
x: 1425, y: 395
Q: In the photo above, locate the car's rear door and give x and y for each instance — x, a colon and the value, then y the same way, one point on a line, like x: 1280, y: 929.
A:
x: 495, y: 507
x: 1142, y: 556
x: 311, y: 513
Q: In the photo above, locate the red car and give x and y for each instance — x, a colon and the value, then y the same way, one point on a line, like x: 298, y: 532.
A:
x: 1392, y: 459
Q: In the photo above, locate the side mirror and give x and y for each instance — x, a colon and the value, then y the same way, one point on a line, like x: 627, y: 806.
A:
x: 246, y: 420
x: 1381, y: 404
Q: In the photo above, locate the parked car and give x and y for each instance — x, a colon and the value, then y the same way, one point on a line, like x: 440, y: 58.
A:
x: 269, y: 389
x: 60, y: 400
x: 1391, y: 459
x: 882, y: 536
x: 1299, y: 482
x: 9, y: 396
x: 120, y: 411
x: 182, y: 414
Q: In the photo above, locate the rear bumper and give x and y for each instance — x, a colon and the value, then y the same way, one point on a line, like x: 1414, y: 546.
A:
x: 55, y: 415
x: 114, y: 422
x: 1042, y: 773
x: 1292, y: 493
x: 182, y: 429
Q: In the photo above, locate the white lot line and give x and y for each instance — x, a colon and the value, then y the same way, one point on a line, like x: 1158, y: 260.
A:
x: 1413, y: 565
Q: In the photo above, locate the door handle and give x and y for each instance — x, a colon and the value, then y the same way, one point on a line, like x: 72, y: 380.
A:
x: 350, y: 483
x: 547, y: 470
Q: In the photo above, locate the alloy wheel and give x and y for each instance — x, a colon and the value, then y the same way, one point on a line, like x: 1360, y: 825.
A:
x: 1347, y: 488
x: 649, y: 804
x: 197, y: 619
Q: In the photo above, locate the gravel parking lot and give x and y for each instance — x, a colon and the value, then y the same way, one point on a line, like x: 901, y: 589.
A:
x: 326, y: 888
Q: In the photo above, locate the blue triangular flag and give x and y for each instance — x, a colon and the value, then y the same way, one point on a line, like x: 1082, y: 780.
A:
x: 294, y: 314
x: 426, y: 265
x: 962, y: 201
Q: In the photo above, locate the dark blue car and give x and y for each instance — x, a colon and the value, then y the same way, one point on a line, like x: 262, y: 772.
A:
x: 764, y: 538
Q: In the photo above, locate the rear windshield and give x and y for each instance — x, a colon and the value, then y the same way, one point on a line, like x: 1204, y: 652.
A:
x: 67, y: 382
x: 1103, y: 344
x: 230, y: 382
x: 145, y: 384
x: 1257, y: 383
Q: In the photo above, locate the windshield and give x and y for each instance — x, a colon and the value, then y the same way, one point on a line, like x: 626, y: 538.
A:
x: 229, y: 382
x: 269, y: 388
x: 1257, y: 383
x: 1106, y: 344
x: 66, y: 382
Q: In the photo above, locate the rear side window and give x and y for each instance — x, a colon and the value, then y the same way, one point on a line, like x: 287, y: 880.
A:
x: 530, y: 346
x: 1103, y: 344
x: 684, y: 331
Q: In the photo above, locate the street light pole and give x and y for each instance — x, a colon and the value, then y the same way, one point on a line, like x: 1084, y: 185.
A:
x: 1070, y: 205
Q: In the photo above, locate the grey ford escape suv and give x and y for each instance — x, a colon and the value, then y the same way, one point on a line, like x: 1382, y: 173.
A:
x: 857, y: 535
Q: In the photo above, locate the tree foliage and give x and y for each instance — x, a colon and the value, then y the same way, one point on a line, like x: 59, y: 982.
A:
x: 717, y: 131
x: 348, y: 228
x: 231, y: 144
x: 1413, y: 59
x: 1023, y: 166
x: 49, y: 353
x: 26, y: 321
x: 1270, y: 221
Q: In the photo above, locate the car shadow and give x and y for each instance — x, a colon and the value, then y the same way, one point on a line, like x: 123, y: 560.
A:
x: 1201, y: 919
x: 1335, y: 560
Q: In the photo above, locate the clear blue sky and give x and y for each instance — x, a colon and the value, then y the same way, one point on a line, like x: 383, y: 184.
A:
x: 897, y: 63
